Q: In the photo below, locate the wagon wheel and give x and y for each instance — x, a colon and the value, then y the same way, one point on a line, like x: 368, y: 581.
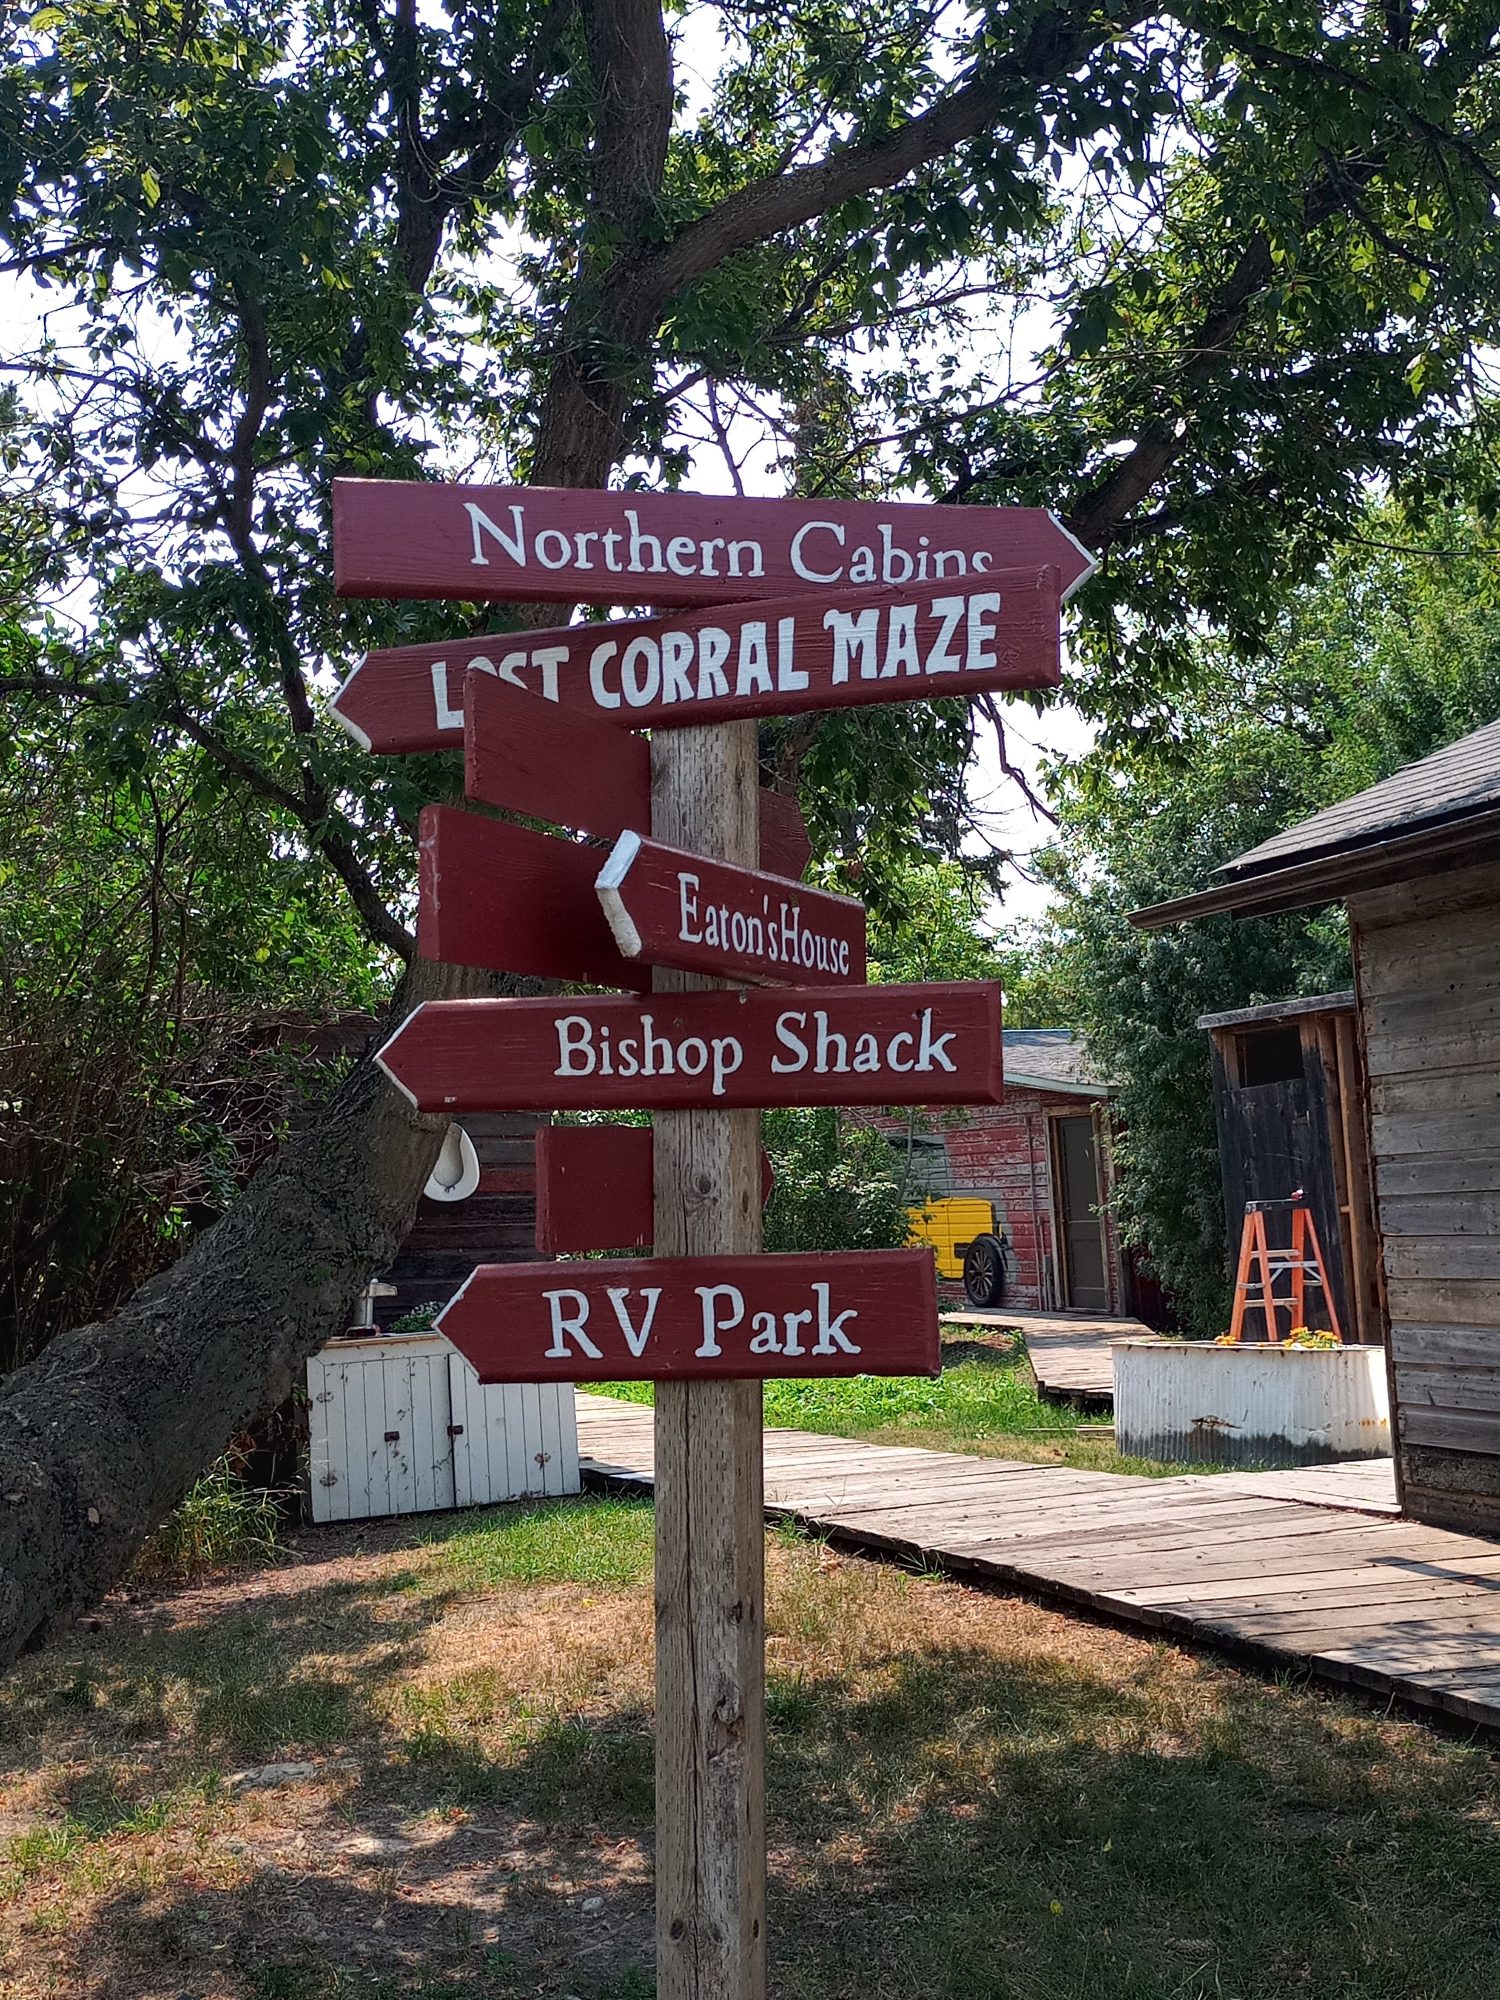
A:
x: 984, y: 1271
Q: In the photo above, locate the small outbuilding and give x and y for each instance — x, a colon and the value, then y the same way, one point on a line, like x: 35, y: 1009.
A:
x: 1041, y: 1160
x: 1289, y: 1103
x: 1416, y: 859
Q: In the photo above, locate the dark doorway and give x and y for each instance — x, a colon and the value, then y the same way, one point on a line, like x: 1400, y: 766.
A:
x: 1080, y: 1226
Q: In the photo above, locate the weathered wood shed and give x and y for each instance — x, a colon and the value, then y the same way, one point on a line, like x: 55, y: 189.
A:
x: 1417, y: 860
x: 1289, y: 1102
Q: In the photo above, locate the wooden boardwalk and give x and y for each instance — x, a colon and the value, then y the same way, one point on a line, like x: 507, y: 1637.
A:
x: 1069, y: 1353
x: 1309, y: 1569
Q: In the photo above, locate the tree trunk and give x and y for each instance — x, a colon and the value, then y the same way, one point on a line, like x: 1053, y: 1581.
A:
x: 105, y: 1431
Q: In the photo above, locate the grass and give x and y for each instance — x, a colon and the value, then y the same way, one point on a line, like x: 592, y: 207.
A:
x: 600, y: 1541
x: 985, y: 1401
x: 970, y: 1797
x: 220, y: 1522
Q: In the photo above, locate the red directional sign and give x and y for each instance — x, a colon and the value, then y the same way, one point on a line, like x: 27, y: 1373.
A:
x: 668, y: 907
x: 500, y: 544
x: 837, y: 649
x: 570, y: 767
x: 594, y: 1188
x: 511, y: 900
x: 658, y: 1319
x: 937, y: 1044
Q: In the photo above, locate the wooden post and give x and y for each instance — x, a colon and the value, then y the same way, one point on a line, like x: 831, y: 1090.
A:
x: 710, y: 1536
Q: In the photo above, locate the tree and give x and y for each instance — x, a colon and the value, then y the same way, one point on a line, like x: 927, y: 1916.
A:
x: 838, y: 1186
x: 1390, y: 654
x: 281, y: 243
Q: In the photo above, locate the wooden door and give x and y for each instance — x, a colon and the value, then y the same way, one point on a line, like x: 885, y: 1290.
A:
x: 1079, y: 1200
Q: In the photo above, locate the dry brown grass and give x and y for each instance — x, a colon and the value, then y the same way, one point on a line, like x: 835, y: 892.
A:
x: 970, y: 1795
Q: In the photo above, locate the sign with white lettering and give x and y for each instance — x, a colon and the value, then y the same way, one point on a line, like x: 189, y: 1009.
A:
x: 669, y: 907
x: 512, y: 900
x: 594, y: 1188
x: 580, y: 770
x: 501, y: 544
x: 783, y: 657
x: 936, y: 1044
x: 658, y: 1319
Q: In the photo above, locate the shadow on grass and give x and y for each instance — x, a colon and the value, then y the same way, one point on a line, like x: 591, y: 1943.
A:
x: 959, y: 1826
x: 282, y: 1676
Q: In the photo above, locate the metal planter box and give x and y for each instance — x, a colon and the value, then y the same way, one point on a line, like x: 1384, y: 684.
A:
x: 1254, y: 1404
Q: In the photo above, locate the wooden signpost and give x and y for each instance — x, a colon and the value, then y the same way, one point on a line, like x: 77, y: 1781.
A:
x: 933, y: 1044
x: 507, y: 544
x: 806, y: 605
x: 784, y: 656
x: 672, y: 908
x: 593, y: 1188
x: 864, y: 1312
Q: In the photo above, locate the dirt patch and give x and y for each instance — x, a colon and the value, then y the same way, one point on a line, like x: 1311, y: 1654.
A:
x: 971, y: 1797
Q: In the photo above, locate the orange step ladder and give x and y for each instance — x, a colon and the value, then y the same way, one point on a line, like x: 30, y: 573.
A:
x: 1260, y: 1266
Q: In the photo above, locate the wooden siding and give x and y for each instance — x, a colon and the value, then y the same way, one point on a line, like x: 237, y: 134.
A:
x: 1305, y: 1131
x: 496, y: 1225
x: 1427, y: 956
x: 1004, y: 1151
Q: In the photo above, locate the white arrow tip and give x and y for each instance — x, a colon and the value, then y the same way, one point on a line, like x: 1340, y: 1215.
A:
x: 607, y: 886
x: 353, y: 727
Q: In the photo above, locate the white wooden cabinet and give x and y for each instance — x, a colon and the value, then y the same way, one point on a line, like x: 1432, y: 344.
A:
x: 400, y: 1424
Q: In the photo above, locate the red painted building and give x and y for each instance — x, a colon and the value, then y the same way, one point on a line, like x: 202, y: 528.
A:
x: 1042, y: 1160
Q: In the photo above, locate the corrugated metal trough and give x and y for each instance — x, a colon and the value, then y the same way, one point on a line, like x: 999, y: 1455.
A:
x: 1253, y: 1404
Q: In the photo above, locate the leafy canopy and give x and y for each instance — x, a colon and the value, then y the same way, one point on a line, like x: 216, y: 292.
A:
x: 1389, y: 655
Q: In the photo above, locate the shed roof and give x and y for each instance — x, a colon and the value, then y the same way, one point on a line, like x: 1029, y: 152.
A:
x: 1429, y: 814
x: 1051, y: 1059
x: 1274, y: 1012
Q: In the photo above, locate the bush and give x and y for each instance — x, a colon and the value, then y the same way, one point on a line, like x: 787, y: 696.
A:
x: 837, y: 1185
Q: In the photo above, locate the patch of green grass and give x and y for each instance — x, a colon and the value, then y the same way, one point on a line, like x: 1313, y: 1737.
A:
x: 985, y: 1403
x: 98, y: 1805
x: 970, y: 1798
x: 604, y: 1541
x: 221, y: 1521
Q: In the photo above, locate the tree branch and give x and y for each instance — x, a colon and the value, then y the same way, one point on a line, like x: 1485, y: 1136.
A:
x: 1058, y: 42
x: 334, y: 846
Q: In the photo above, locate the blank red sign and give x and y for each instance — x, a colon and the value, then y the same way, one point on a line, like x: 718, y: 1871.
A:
x: 513, y: 900
x: 498, y: 544
x: 594, y: 1188
x: 658, y: 1319
x: 536, y: 757
x: 937, y: 1044
x: 669, y: 907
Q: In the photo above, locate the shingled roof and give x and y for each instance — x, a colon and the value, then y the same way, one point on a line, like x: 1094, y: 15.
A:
x: 1051, y: 1059
x: 1440, y: 811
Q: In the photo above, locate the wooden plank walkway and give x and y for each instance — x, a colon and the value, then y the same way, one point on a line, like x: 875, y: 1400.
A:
x: 1309, y: 1569
x: 1069, y: 1353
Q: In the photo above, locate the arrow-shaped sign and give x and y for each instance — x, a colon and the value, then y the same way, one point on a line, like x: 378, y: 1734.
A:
x: 838, y: 649
x: 937, y: 1044
x: 576, y: 769
x: 511, y: 900
x: 594, y: 1188
x: 500, y: 544
x: 669, y: 907
x: 656, y: 1319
